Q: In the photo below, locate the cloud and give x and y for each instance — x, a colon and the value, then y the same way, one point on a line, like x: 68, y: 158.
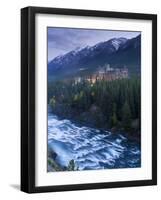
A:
x: 63, y: 40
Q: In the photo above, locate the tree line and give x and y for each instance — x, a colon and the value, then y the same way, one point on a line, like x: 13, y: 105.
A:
x: 103, y: 104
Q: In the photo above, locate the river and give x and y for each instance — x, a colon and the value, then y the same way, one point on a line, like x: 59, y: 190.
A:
x: 90, y: 148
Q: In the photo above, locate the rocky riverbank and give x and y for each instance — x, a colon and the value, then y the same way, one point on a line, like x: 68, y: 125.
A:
x: 94, y: 118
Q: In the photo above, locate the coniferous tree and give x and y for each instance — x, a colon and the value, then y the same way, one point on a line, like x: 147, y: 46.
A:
x: 126, y: 116
x: 117, y: 102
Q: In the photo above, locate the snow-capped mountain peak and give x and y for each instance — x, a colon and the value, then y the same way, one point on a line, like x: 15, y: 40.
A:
x: 90, y: 57
x: 117, y: 42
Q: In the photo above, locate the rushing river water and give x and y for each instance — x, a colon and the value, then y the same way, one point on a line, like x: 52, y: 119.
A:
x: 90, y: 148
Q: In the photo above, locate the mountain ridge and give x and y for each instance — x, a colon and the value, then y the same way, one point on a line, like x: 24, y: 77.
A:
x: 117, y: 52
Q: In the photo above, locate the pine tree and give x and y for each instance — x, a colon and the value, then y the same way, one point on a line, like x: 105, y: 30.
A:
x: 126, y: 116
x: 113, y: 118
x: 71, y: 166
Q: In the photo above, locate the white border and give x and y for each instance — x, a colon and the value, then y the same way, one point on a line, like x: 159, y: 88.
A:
x: 94, y: 176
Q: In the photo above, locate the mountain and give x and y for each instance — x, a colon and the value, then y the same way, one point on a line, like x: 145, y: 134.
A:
x: 117, y: 52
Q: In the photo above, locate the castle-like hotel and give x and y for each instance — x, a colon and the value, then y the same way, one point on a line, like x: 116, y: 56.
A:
x: 106, y: 73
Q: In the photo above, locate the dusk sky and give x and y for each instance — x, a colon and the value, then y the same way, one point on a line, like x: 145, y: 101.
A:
x: 63, y: 40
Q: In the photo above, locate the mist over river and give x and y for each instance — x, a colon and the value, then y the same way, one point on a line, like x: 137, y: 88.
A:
x: 90, y: 148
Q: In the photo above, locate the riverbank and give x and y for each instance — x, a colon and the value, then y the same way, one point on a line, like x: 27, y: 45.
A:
x: 94, y: 119
x: 113, y: 106
x: 54, y: 166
